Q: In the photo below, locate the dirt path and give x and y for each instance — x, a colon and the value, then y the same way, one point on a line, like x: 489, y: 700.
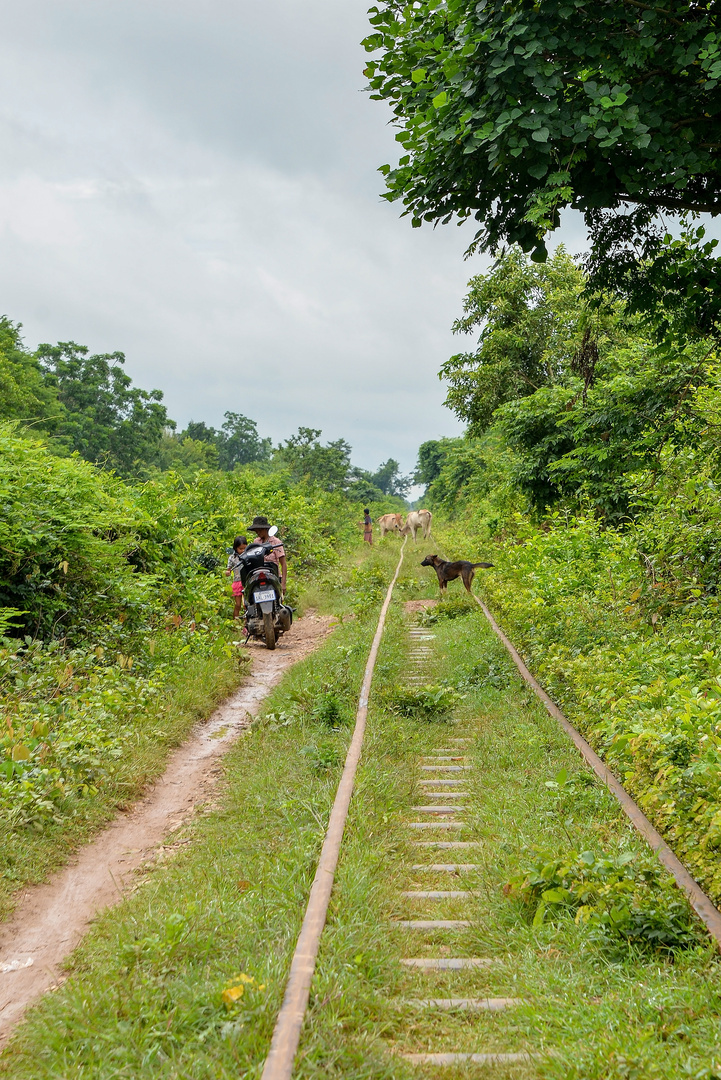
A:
x: 52, y: 918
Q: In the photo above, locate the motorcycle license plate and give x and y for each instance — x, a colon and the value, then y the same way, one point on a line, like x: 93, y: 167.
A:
x: 261, y: 597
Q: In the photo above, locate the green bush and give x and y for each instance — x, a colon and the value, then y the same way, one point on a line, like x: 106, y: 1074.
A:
x: 451, y: 607
x: 108, y: 591
x: 426, y: 702
x: 620, y: 898
x: 644, y: 688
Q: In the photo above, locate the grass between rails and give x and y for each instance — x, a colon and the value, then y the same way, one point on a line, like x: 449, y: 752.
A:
x: 146, y: 993
x: 593, y: 1009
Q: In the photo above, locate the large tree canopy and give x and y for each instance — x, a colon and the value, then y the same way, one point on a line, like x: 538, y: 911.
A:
x: 510, y: 111
x: 105, y: 419
x: 528, y: 319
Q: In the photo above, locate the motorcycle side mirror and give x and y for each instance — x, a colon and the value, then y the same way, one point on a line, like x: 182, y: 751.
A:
x: 273, y: 530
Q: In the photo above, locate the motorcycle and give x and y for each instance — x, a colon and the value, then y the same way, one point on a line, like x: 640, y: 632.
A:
x: 266, y: 616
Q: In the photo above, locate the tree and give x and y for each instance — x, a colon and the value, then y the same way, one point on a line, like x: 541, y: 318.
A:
x: 510, y: 112
x: 327, y: 466
x: 106, y: 419
x: 431, y: 458
x: 600, y: 444
x: 360, y: 487
x: 24, y: 393
x: 388, y: 478
x: 198, y: 431
x: 238, y: 442
x: 529, y: 317
x: 186, y: 455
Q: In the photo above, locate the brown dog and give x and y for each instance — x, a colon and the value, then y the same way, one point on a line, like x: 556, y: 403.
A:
x: 449, y: 571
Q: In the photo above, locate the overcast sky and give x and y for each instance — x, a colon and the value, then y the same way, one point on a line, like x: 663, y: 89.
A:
x: 194, y: 183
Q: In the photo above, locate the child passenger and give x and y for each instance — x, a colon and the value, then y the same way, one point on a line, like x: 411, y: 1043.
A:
x: 239, y: 545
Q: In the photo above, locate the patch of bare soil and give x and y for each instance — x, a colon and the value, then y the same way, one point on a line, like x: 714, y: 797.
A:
x: 52, y: 918
x: 412, y: 606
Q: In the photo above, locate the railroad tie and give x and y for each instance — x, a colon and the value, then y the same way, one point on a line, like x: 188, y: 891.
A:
x: 465, y: 1059
x: 437, y: 894
x: 435, y: 825
x: 436, y: 809
x: 445, y: 768
x: 441, y: 782
x: 446, y: 963
x: 465, y: 1004
x: 432, y: 924
x: 444, y: 804
x: 446, y: 843
x: 450, y: 867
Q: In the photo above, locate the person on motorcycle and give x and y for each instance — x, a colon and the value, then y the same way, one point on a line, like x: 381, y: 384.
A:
x: 260, y: 526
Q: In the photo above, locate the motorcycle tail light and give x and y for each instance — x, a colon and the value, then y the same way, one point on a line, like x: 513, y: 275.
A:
x: 262, y: 579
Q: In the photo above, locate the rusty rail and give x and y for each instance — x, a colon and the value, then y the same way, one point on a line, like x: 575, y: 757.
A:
x: 700, y: 902
x: 286, y: 1035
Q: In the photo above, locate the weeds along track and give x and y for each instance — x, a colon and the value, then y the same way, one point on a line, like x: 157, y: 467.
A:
x: 465, y: 999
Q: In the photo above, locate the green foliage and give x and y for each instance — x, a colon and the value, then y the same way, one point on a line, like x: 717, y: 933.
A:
x: 322, y: 756
x: 622, y: 898
x: 508, y: 114
x: 239, y: 442
x: 633, y: 660
x: 329, y: 468
x: 592, y: 407
x: 185, y: 455
x: 24, y: 392
x: 529, y: 320
x: 432, y: 702
x: 476, y: 477
x: 111, y: 592
x: 106, y: 419
x: 388, y: 478
x: 368, y: 585
x: 307, y: 460
x: 450, y: 607
x: 202, y: 447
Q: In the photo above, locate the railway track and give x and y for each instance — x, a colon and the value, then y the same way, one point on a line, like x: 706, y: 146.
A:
x: 439, y: 856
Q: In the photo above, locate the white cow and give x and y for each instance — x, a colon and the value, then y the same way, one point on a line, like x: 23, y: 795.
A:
x: 418, y: 519
x: 390, y: 523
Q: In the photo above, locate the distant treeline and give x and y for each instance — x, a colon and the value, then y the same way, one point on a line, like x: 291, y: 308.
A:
x: 87, y: 404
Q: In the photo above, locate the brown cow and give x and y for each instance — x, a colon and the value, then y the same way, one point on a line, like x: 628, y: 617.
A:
x: 390, y: 523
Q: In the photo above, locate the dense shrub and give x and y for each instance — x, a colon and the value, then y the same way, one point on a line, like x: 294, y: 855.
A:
x: 644, y: 688
x: 108, y: 591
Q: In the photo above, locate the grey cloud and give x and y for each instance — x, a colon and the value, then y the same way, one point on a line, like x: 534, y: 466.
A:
x: 195, y: 183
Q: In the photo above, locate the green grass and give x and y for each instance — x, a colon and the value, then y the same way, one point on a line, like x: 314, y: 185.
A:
x: 145, y: 993
x: 199, y: 683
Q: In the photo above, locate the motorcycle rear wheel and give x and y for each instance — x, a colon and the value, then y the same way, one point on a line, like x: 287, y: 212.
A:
x: 268, y: 630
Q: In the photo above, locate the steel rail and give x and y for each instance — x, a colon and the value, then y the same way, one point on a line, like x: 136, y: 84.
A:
x: 700, y: 902
x: 286, y: 1034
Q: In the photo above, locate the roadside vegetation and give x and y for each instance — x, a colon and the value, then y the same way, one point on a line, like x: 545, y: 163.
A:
x: 115, y: 634
x: 590, y: 477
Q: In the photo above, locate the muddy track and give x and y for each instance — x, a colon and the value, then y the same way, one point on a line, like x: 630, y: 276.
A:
x: 52, y: 918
